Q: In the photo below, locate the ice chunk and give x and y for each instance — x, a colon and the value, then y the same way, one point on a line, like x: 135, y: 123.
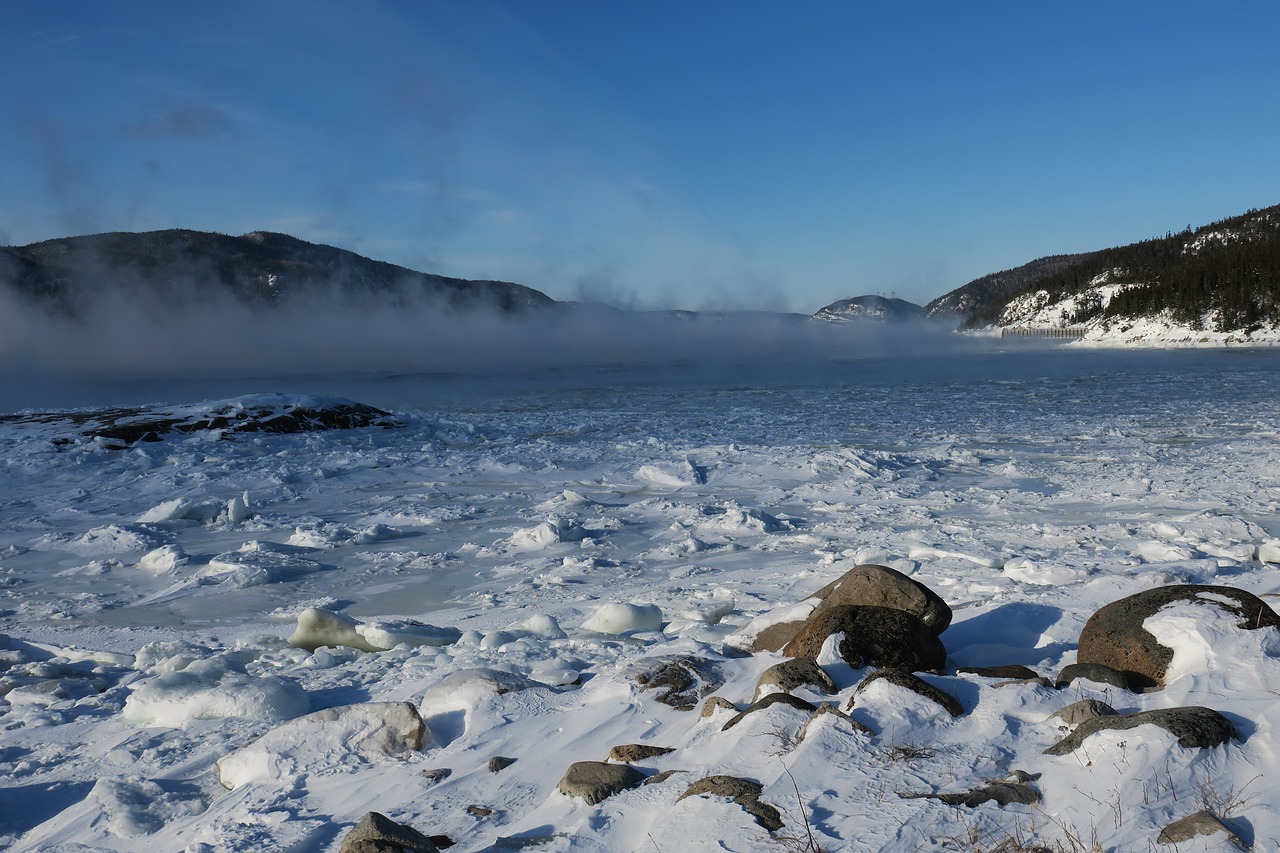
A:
x: 238, y: 509
x: 135, y: 806
x: 174, y: 510
x: 320, y: 627
x: 1269, y: 552
x: 625, y: 619
x: 163, y: 560
x: 553, y: 531
x: 116, y: 539
x: 333, y: 737
x: 213, y: 688
x: 541, y: 625
x: 387, y: 634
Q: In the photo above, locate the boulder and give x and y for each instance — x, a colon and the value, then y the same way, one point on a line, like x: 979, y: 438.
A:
x: 1195, y: 727
x: 826, y: 709
x: 744, y: 792
x: 595, y: 781
x: 1115, y: 636
x: 866, y: 586
x: 1011, y: 672
x: 716, y: 703
x: 376, y: 833
x: 871, y: 636
x: 915, y: 684
x: 793, y: 673
x: 1001, y: 793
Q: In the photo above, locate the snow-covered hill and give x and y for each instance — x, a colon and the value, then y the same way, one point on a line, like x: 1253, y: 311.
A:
x: 877, y: 308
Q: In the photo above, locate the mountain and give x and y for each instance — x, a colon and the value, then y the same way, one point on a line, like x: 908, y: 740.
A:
x: 1223, y: 277
x: 874, y: 308
x: 260, y: 267
x: 996, y: 288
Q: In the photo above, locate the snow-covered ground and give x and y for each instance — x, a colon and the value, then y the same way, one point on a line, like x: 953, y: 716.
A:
x: 522, y: 549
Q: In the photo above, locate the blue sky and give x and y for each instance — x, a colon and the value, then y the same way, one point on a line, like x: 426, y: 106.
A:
x: 659, y: 154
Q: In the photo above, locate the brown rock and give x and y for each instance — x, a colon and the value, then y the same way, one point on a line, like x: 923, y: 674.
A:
x: 768, y: 702
x: 630, y: 753
x: 873, y: 636
x: 1115, y: 637
x: 1200, y: 823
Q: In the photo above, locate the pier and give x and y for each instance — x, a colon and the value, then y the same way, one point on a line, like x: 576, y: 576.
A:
x: 1073, y: 333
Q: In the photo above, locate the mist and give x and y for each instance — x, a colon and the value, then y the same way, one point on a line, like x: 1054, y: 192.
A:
x: 187, y: 332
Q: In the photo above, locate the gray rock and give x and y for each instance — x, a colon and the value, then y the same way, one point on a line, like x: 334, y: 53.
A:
x: 797, y: 672
x: 595, y: 781
x: 872, y: 636
x: 911, y: 682
x: 1194, y: 726
x: 768, y: 702
x: 499, y: 763
x: 681, y: 681
x: 630, y: 753
x: 376, y: 833
x: 744, y: 792
x: 1096, y: 672
x: 1115, y: 636
x: 1085, y: 709
x: 1200, y: 823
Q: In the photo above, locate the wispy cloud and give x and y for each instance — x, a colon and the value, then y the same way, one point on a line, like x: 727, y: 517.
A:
x: 185, y: 118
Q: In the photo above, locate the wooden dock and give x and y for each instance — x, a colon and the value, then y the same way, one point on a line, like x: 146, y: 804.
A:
x: 1073, y: 333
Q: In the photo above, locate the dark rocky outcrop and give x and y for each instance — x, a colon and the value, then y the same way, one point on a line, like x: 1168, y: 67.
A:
x: 1115, y: 636
x: 872, y: 636
x: 744, y: 792
x: 595, y: 781
x: 682, y: 682
x: 1001, y: 793
x: 376, y: 833
x: 256, y: 413
x: 1012, y: 672
x: 912, y: 682
x: 1195, y: 727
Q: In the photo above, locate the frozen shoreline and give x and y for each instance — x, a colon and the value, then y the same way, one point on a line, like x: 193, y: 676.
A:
x: 717, y: 504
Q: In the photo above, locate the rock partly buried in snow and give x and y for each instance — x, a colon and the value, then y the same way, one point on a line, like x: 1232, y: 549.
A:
x: 1096, y: 672
x: 912, y: 682
x: 768, y: 702
x: 868, y: 586
x: 1194, y: 825
x: 1195, y: 727
x: 871, y: 636
x: 595, y: 781
x: 826, y: 711
x: 796, y: 672
x: 630, y: 753
x: 1012, y: 672
x: 333, y: 737
x: 1086, y: 709
x: 682, y: 681
x: 1001, y: 793
x: 376, y: 833
x: 253, y: 413
x: 1115, y: 635
x: 744, y: 792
